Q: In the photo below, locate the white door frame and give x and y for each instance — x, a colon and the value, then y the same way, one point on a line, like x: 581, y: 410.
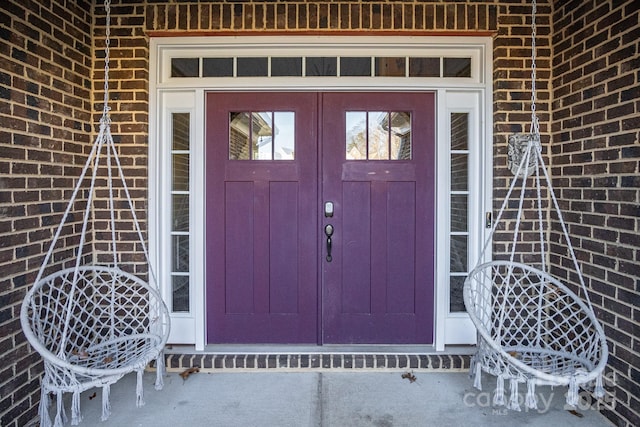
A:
x: 169, y: 94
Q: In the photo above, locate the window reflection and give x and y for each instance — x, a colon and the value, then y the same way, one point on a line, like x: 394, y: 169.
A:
x: 456, y: 298
x: 424, y: 67
x: 459, y: 254
x: 217, y: 67
x: 355, y: 66
x: 400, y: 136
x: 321, y: 66
x: 390, y: 66
x: 284, y: 135
x: 356, y: 124
x: 180, y: 217
x: 180, y: 294
x: 310, y: 66
x: 180, y: 179
x: 252, y: 67
x: 377, y: 135
x: 286, y: 67
x: 457, y: 67
x: 459, y: 205
x: 185, y: 67
x: 263, y: 135
x: 459, y: 131
x: 239, y: 136
x: 180, y: 197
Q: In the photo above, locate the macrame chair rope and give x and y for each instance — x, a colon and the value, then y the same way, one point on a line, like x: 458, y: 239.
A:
x: 92, y: 324
x: 532, y: 328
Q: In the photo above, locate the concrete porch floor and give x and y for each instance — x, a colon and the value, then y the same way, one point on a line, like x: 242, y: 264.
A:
x: 323, y: 398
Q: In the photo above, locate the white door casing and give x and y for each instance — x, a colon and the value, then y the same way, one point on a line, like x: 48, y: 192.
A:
x: 169, y: 95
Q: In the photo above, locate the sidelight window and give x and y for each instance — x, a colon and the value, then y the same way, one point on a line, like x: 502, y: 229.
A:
x: 459, y: 217
x: 180, y: 153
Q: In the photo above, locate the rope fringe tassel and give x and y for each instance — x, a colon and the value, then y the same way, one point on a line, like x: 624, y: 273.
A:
x: 160, y: 369
x: 477, y: 382
x: 45, y: 420
x: 106, y: 405
x: 498, y: 397
x: 572, y: 393
x: 76, y: 416
x: 139, y: 389
x: 599, y: 390
x: 530, y: 401
x: 514, y: 404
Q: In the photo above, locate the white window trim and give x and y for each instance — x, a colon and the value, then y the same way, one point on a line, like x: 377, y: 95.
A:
x: 457, y: 328
x: 191, y: 328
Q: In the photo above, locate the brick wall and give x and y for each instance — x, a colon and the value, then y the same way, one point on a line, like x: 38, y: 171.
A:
x: 596, y: 159
x: 128, y: 99
x: 512, y: 114
x: 45, y: 103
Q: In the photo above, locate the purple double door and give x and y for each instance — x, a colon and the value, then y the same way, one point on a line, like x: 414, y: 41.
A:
x: 281, y: 167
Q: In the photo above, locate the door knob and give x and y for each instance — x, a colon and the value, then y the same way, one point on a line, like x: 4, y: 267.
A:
x: 328, y: 231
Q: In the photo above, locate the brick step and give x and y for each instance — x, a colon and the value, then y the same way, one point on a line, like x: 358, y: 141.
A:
x: 317, y: 361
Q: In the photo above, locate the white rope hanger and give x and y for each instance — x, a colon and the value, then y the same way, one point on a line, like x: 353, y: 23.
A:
x: 91, y: 323
x: 531, y: 327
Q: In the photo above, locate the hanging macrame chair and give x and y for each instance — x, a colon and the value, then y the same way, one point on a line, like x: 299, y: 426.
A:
x: 92, y: 324
x: 531, y: 327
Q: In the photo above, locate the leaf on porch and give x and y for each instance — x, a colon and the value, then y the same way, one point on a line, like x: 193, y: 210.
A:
x: 409, y: 376
x: 576, y: 413
x: 185, y: 374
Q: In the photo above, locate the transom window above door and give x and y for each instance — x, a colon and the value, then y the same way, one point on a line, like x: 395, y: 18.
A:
x: 318, y: 66
x: 262, y: 135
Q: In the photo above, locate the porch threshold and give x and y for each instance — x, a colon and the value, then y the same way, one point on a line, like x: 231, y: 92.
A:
x: 304, y: 358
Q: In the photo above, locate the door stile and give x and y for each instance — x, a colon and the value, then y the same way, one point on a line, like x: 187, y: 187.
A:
x: 320, y: 217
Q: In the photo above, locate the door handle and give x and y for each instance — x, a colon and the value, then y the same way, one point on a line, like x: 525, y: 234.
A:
x: 328, y: 231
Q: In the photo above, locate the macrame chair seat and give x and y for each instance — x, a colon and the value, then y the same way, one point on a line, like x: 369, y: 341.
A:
x: 108, y: 325
x: 532, y: 329
x: 92, y: 326
x: 94, y: 323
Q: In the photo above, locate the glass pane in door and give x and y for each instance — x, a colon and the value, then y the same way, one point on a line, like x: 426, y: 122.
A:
x: 284, y: 135
x: 262, y: 135
x: 378, y: 135
x: 400, y: 136
x: 239, y: 135
x: 356, y: 135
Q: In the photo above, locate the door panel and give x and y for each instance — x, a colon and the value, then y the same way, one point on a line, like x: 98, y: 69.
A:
x: 378, y: 288
x: 261, y: 232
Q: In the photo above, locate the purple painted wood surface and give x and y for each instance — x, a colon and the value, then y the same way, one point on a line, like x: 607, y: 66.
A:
x: 379, y: 287
x: 262, y: 229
